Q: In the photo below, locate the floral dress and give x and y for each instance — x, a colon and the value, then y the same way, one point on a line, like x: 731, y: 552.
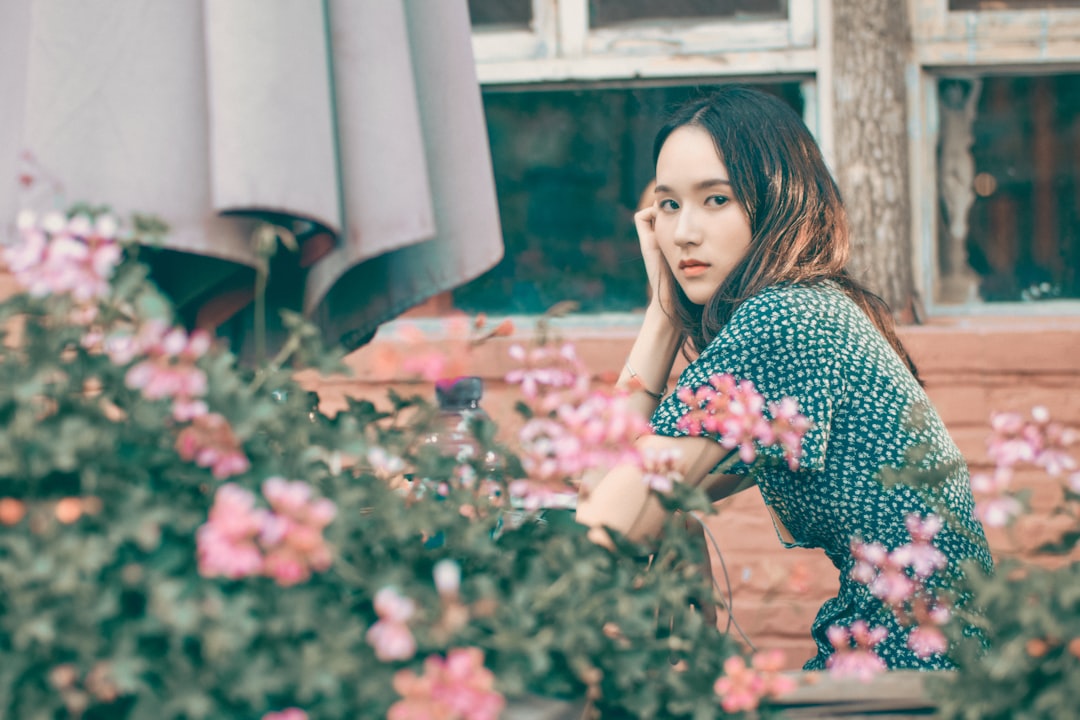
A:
x: 877, y: 450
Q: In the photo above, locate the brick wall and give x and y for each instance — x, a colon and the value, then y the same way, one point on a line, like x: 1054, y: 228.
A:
x: 970, y: 366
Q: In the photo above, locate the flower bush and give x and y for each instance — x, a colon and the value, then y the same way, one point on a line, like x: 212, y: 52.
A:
x: 1027, y: 662
x: 182, y: 537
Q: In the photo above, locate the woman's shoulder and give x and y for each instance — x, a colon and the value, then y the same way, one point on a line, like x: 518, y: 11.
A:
x: 795, y: 307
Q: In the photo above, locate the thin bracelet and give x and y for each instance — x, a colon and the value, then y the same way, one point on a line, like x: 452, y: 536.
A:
x: 634, y: 376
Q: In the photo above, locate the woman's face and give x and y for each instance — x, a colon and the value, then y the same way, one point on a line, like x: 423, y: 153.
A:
x: 702, y: 231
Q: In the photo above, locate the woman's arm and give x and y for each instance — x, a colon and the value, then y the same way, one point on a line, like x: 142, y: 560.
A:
x: 622, y: 501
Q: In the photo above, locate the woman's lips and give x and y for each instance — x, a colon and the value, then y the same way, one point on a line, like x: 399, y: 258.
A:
x: 693, y: 268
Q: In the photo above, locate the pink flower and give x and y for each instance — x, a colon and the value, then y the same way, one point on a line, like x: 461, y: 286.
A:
x: 1074, y: 483
x: 447, y: 575
x: 210, y: 442
x: 739, y: 688
x: 392, y: 605
x: 892, y: 585
x: 240, y: 539
x: 925, y: 641
x: 391, y: 640
x: 735, y: 413
x: 168, y: 369
x: 661, y: 469
x: 854, y: 654
x: 920, y: 555
x: 286, y: 714
x: 55, y: 256
x: 550, y: 377
x: 458, y: 687
x: 999, y: 511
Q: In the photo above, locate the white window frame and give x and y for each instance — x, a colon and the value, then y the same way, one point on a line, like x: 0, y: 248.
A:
x: 561, y: 46
x: 970, y: 43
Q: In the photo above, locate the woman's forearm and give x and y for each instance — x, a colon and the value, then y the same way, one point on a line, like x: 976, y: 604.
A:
x: 650, y: 358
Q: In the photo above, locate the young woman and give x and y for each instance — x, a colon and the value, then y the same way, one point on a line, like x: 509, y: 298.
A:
x: 745, y: 248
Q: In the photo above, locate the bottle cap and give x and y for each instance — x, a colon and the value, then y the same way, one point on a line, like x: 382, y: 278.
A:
x: 458, y: 393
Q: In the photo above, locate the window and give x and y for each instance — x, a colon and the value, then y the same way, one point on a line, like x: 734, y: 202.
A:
x: 998, y: 226
x: 1010, y: 4
x: 1010, y: 187
x: 611, y: 12
x: 570, y: 166
x: 500, y: 13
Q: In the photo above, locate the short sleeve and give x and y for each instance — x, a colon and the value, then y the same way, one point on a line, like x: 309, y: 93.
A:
x: 779, y: 340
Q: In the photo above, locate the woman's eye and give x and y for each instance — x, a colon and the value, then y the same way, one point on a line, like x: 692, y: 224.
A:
x: 716, y: 200
x: 669, y: 205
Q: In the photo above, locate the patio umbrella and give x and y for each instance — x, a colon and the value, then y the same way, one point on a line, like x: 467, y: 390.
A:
x: 357, y: 123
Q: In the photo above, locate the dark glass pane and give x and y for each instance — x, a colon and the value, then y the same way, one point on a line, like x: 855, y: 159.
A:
x: 1023, y: 226
x: 1010, y: 4
x: 500, y: 12
x: 610, y: 12
x: 570, y: 166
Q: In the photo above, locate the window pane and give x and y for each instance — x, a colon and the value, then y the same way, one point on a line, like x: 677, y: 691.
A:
x: 1010, y: 203
x: 609, y: 12
x: 517, y: 13
x: 1010, y: 4
x: 570, y: 166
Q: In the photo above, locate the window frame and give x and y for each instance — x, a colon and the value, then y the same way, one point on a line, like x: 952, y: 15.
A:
x: 971, y: 43
x: 561, y: 46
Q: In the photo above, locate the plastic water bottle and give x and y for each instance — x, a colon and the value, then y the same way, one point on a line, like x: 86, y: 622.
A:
x: 459, y: 414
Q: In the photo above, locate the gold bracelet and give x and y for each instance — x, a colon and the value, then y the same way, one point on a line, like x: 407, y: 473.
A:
x: 634, y: 376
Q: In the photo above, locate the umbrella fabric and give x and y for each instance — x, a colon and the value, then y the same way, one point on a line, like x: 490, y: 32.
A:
x: 357, y: 123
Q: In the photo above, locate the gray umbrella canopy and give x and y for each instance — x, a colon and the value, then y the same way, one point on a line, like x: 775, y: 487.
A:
x: 362, y: 118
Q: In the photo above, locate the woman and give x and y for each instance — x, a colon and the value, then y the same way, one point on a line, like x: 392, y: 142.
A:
x: 745, y: 247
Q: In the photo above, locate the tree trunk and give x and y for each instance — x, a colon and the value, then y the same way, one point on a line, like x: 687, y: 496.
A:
x: 872, y: 42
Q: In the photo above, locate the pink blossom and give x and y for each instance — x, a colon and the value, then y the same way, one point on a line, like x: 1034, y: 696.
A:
x: 869, y: 558
x: 286, y: 714
x: 854, y: 654
x: 458, y: 687
x: 168, y: 369
x: 391, y: 640
x: 55, y: 256
x: 534, y: 496
x: 210, y: 442
x: 892, y: 585
x: 221, y: 556
x: 739, y: 688
x: 240, y: 539
x: 447, y: 575
x: 286, y: 567
x: 392, y: 605
x: 550, y: 377
x: 992, y: 484
x: 661, y: 469
x: 735, y: 413
x: 385, y: 464
x: 998, y: 511
x: 925, y: 641
x: 1073, y: 483
x: 920, y: 555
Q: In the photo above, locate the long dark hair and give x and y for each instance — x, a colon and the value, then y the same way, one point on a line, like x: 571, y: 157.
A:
x: 797, y: 219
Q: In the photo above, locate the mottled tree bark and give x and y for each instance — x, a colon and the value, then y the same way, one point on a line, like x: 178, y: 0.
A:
x: 872, y: 42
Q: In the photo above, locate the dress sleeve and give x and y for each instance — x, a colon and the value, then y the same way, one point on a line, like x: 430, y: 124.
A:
x: 780, y: 341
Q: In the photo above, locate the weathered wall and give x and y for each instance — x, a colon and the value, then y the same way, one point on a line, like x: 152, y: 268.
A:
x: 971, y: 367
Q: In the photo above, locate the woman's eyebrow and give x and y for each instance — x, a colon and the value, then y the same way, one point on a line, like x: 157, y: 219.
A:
x: 703, y: 185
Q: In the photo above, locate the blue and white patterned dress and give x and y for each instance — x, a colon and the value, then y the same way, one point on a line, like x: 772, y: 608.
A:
x: 814, y: 344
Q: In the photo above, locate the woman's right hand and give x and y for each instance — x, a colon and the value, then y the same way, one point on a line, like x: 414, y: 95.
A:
x: 645, y: 221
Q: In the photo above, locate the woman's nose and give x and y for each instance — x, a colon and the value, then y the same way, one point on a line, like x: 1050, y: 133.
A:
x: 687, y: 230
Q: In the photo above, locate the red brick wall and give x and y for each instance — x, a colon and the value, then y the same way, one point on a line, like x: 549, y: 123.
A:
x: 970, y: 366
